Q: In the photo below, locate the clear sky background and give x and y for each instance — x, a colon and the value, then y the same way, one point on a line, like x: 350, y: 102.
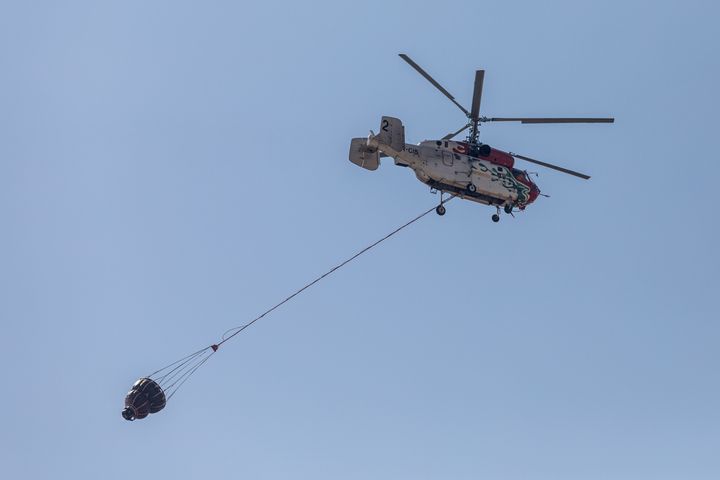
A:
x: 170, y: 169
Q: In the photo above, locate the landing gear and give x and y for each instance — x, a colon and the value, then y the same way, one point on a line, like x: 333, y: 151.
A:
x: 508, y: 208
x: 495, y: 217
x: 471, y: 188
x: 440, y: 209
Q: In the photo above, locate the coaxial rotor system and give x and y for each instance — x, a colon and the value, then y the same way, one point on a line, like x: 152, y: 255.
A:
x: 474, y: 118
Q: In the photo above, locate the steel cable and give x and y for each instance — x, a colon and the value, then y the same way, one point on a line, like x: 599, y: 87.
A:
x: 188, y: 365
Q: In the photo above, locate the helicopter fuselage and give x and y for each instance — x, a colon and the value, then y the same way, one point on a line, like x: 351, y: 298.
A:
x: 446, y: 166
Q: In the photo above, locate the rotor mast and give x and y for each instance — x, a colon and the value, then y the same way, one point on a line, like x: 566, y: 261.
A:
x: 474, y: 116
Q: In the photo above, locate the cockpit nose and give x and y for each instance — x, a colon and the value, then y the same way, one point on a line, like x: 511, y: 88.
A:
x: 534, y: 192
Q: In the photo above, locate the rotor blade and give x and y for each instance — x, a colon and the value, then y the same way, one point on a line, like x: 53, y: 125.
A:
x: 477, y: 94
x: 549, y: 120
x: 451, y: 135
x: 550, y: 165
x: 432, y: 80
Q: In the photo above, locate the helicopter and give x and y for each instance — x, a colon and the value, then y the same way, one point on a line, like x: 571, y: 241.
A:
x: 467, y: 169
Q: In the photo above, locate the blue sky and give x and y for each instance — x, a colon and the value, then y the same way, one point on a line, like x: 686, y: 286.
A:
x: 171, y: 169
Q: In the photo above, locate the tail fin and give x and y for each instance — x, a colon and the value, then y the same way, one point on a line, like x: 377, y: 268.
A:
x: 392, y: 133
x: 366, y: 152
x: 363, y: 155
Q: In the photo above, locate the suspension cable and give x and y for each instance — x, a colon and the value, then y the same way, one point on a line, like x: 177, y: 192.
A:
x: 188, y: 365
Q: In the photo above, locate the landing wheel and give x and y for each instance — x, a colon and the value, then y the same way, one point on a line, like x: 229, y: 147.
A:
x: 508, y: 208
x: 495, y: 218
x: 471, y: 188
x: 440, y: 210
